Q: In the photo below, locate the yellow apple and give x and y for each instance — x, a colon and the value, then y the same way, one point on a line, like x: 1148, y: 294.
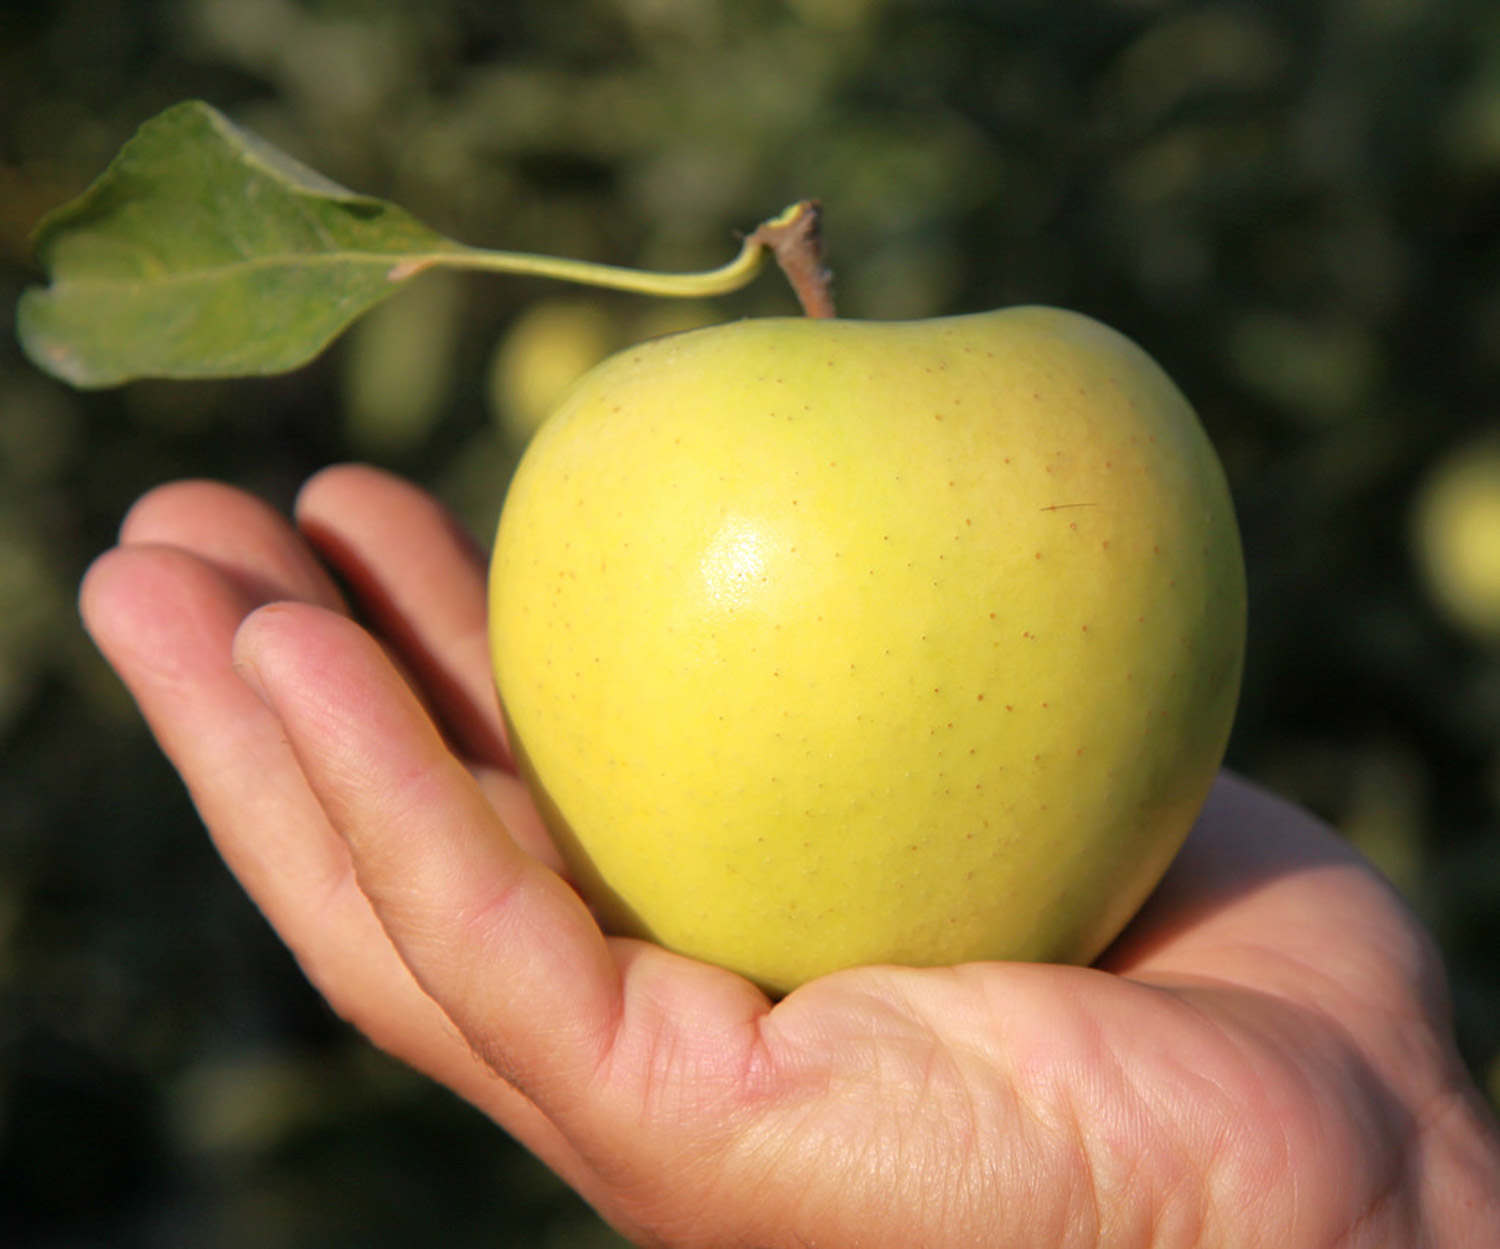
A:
x: 825, y: 643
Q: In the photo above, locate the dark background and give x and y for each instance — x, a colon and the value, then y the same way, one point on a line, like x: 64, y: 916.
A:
x: 1293, y: 204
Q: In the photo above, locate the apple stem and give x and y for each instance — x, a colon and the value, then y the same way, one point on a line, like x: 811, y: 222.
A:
x: 795, y: 238
x: 791, y: 236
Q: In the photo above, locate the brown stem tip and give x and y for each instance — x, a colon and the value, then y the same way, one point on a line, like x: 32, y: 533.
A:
x: 795, y: 239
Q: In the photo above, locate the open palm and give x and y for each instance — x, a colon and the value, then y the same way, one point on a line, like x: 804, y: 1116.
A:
x: 1264, y: 1058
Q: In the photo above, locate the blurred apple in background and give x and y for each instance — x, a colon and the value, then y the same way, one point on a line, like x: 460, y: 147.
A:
x: 1456, y: 527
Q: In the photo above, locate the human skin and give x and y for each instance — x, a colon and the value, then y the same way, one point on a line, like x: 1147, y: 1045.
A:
x: 1264, y: 1058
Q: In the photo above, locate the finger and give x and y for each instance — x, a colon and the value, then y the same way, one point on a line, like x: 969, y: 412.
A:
x: 498, y: 940
x: 257, y: 549
x: 165, y: 619
x: 247, y: 541
x: 420, y: 582
x: 420, y: 579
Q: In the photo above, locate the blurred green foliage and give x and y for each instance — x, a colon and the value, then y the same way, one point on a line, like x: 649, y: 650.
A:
x: 1294, y: 204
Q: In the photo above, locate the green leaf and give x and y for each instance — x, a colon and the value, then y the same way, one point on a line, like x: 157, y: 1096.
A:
x: 202, y: 251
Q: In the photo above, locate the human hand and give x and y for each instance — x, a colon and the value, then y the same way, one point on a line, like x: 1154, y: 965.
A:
x: 1263, y: 1058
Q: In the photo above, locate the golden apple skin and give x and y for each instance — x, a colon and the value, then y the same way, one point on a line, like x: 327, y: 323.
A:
x: 826, y: 643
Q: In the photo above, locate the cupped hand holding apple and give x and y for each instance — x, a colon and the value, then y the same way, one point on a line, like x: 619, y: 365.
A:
x: 1265, y: 1056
